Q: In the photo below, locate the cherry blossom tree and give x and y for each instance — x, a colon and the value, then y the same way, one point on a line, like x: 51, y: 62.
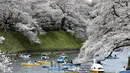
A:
x: 107, y: 30
x: 5, y: 61
x: 33, y: 17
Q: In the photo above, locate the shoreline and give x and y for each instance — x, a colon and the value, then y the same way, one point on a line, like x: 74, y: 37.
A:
x: 48, y: 51
x: 67, y: 52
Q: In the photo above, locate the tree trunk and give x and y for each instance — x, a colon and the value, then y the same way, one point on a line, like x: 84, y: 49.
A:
x: 63, y: 22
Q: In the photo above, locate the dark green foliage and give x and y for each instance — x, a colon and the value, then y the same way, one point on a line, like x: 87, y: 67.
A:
x: 52, y: 41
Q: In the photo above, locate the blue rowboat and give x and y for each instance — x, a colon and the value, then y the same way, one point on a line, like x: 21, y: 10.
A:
x: 46, y: 66
x: 57, y: 69
x: 84, y: 70
x: 63, y: 59
x: 125, y: 71
x: 71, y: 64
x: 81, y: 71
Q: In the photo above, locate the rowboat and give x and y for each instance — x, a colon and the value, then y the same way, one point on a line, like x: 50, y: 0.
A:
x: 124, y: 71
x: 44, y: 56
x: 76, y: 69
x: 29, y: 64
x: 71, y: 72
x: 75, y: 72
x: 63, y: 59
x: 43, y: 62
x: 58, y: 69
x: 46, y: 66
x: 25, y: 56
x: 70, y: 64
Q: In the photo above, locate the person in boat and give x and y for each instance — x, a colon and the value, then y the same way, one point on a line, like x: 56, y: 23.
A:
x: 124, y: 68
x: 43, y: 58
x: 51, y: 52
x: 35, y: 62
x: 71, y: 62
x: 115, y: 55
x: 99, y: 62
x: 65, y: 61
x: 52, y: 63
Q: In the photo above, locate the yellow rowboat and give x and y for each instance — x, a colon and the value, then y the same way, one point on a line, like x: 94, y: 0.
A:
x: 96, y: 71
x: 43, y: 63
x: 30, y: 64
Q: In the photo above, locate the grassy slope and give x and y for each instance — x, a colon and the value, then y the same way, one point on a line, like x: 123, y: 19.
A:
x: 56, y: 40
